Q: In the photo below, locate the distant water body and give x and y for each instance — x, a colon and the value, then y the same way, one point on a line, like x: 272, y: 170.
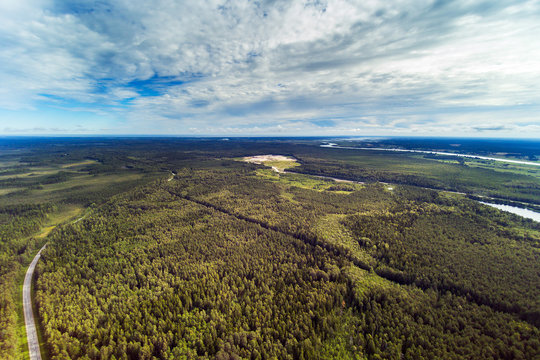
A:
x: 335, y: 146
x: 526, y: 213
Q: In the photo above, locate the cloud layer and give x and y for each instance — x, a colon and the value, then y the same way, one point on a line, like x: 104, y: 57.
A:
x: 271, y: 67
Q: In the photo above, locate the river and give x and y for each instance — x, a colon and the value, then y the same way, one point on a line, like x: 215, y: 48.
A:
x: 526, y: 213
x: 335, y: 146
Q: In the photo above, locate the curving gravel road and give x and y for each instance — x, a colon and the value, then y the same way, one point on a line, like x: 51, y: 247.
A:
x: 31, y: 334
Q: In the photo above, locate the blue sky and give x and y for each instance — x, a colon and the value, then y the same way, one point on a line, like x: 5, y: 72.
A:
x: 271, y: 67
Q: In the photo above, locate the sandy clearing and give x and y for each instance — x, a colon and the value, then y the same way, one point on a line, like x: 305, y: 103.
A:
x: 258, y: 159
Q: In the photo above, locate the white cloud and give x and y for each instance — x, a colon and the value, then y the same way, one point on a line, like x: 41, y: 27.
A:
x: 245, y: 66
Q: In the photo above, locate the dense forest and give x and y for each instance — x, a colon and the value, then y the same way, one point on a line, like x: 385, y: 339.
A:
x: 221, y: 263
x: 182, y: 251
x: 41, y: 186
x: 16, y: 248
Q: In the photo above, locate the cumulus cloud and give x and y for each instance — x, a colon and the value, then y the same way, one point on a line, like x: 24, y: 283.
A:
x: 256, y: 67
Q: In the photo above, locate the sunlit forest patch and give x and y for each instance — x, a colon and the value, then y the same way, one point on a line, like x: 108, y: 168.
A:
x: 216, y: 226
x: 181, y: 252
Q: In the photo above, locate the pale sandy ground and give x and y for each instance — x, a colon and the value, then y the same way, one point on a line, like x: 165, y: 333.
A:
x: 259, y: 159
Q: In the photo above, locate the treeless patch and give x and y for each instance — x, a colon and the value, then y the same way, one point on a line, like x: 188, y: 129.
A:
x: 259, y: 159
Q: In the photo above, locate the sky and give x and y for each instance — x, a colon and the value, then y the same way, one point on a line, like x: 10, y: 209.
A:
x: 271, y: 67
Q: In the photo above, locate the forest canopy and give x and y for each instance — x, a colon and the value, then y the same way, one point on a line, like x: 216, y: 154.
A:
x: 182, y: 251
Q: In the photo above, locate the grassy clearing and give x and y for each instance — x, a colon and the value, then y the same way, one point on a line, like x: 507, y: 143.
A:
x: 45, y: 231
x: 80, y: 163
x: 282, y: 165
x: 65, y: 214
x: 30, y: 174
x: 298, y: 180
x: 502, y: 167
x: 367, y: 281
x: 308, y: 182
x: 506, y: 168
x: 332, y: 231
x: 81, y: 184
x: 6, y: 191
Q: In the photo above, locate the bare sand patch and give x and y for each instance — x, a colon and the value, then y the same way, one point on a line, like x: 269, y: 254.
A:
x: 278, y: 163
x: 259, y: 159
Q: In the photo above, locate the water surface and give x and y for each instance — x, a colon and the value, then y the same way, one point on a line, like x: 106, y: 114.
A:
x: 526, y: 213
x: 335, y: 146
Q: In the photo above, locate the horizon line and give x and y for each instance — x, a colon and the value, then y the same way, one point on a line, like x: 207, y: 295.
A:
x: 262, y: 136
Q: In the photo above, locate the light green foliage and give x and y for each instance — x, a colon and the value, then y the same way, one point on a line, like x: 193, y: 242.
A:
x: 35, y: 196
x: 331, y: 230
x: 512, y: 183
x: 219, y: 263
x: 232, y: 260
x: 309, y: 182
